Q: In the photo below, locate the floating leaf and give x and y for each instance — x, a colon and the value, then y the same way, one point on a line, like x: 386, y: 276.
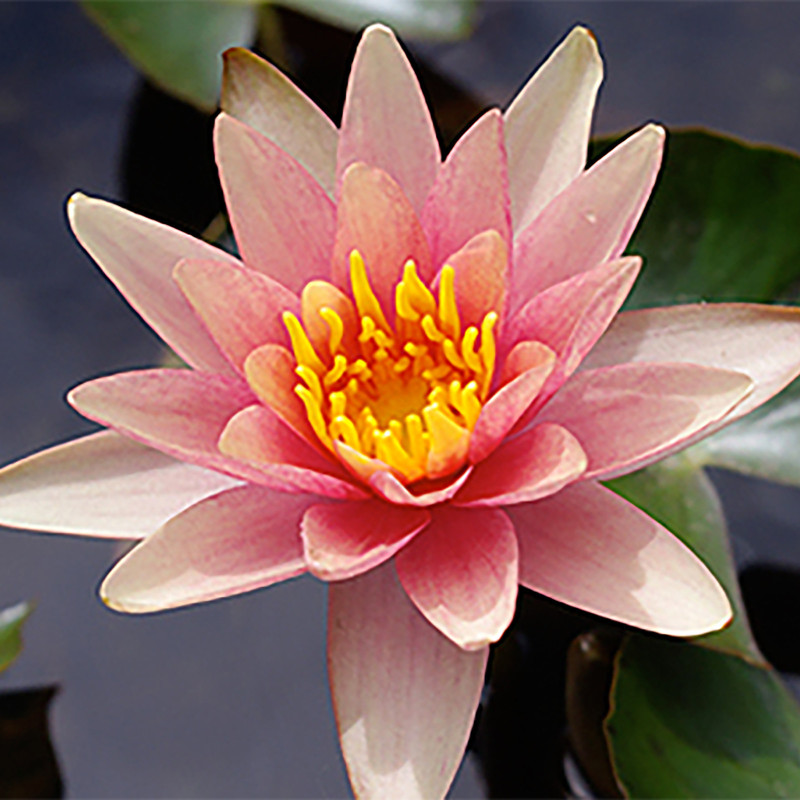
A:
x: 11, y: 620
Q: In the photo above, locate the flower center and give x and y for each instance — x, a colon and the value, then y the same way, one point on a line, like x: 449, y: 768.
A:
x: 409, y: 396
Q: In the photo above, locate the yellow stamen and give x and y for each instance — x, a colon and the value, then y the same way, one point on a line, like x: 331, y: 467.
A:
x: 366, y: 302
x: 304, y: 353
x: 336, y: 327
x: 336, y: 372
x: 314, y: 415
x: 311, y: 380
x: 448, y: 311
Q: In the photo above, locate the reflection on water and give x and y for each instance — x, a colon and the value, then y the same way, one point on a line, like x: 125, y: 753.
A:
x: 230, y: 699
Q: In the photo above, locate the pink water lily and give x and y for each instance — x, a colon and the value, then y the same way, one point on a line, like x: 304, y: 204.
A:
x: 410, y: 385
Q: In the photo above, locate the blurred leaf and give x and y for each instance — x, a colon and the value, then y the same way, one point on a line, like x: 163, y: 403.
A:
x: 178, y: 44
x: 11, y: 620
x: 436, y: 19
x: 722, y: 224
x: 28, y: 764
x: 681, y: 497
x: 691, y: 722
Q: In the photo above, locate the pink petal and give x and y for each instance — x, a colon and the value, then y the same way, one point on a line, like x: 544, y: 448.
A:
x: 239, y: 540
x: 535, y: 464
x: 270, y: 373
x: 256, y: 93
x: 591, y: 221
x: 471, y: 192
x: 386, y: 122
x: 426, y: 493
x: 589, y: 548
x: 508, y: 404
x: 631, y: 415
x: 342, y: 540
x: 240, y: 307
x: 481, y: 277
x: 571, y: 316
x: 357, y: 464
x: 177, y: 411
x: 404, y: 695
x: 461, y: 573
x: 283, y: 221
x: 761, y: 341
x: 138, y: 256
x: 257, y: 436
x: 376, y: 219
x: 101, y: 485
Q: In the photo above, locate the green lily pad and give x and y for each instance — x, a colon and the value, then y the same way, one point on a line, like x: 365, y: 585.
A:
x: 682, y: 498
x: 178, y: 44
x: 721, y: 225
x: 692, y: 722
x: 11, y: 620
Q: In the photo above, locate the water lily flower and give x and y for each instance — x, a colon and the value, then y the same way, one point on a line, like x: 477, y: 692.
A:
x: 410, y: 385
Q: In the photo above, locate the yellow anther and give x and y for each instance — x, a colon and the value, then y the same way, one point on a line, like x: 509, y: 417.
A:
x: 342, y: 428
x: 366, y: 302
x: 314, y: 414
x: 402, y: 304
x: 448, y: 311
x: 437, y: 373
x: 454, y: 393
x: 487, y: 350
x: 367, y: 329
x: 414, y: 349
x: 389, y: 450
x: 358, y: 367
x: 438, y: 396
x: 470, y: 407
x: 383, y: 341
x: 309, y: 377
x: 304, y: 353
x: 468, y: 353
x: 336, y: 326
x: 451, y: 354
x: 396, y: 427
x: 430, y: 329
x: 449, y: 442
x: 419, y: 296
x: 402, y: 364
x: 336, y: 372
x: 416, y: 443
x: 338, y: 403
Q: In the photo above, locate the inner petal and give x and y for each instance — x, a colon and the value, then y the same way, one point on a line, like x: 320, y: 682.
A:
x: 407, y: 395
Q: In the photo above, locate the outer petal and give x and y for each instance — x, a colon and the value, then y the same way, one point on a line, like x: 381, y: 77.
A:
x: 180, y: 412
x: 283, y: 221
x: 386, y: 122
x: 535, y: 464
x: 761, y: 341
x: 138, y: 256
x: 628, y: 416
x: 461, y: 573
x: 404, y: 695
x: 376, y: 218
x: 589, y: 548
x: 591, y: 221
x: 240, y: 307
x: 471, y: 193
x: 342, y: 540
x: 234, y: 542
x: 256, y: 435
x: 547, y: 125
x: 101, y: 485
x: 262, y: 97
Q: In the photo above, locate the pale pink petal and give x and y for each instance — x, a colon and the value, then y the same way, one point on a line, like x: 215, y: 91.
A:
x: 138, y: 256
x: 404, y: 695
x: 425, y: 493
x: 270, y: 373
x: 101, y: 485
x: 461, y: 572
x: 386, y: 122
x: 342, y: 540
x: 240, y: 307
x: 262, y: 97
x: 591, y: 221
x: 257, y: 436
x: 376, y: 219
x: 177, y: 411
x: 535, y: 464
x: 547, y: 125
x: 357, y: 464
x: 481, y: 277
x: 588, y: 547
x: 628, y: 416
x: 571, y: 316
x: 471, y: 192
x: 239, y: 540
x: 317, y: 295
x: 761, y: 341
x: 283, y: 221
x: 508, y: 404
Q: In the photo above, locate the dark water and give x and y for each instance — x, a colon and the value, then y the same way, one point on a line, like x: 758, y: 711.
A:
x: 230, y: 699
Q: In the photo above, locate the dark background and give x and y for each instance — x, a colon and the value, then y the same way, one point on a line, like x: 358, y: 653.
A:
x: 230, y: 699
